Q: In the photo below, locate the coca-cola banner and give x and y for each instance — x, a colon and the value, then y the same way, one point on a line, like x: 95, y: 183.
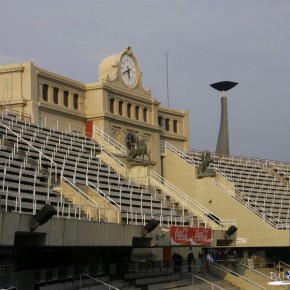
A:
x: 190, y: 236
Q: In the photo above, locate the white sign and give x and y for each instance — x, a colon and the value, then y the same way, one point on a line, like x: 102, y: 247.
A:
x: 241, y: 240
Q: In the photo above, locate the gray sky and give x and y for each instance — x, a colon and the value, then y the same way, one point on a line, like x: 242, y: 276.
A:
x: 247, y: 41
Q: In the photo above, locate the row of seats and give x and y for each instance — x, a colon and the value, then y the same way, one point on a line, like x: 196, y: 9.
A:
x: 77, y: 159
x: 256, y: 183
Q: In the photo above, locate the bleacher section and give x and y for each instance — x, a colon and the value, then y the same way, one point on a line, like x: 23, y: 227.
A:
x: 35, y: 160
x: 149, y: 280
x: 259, y: 184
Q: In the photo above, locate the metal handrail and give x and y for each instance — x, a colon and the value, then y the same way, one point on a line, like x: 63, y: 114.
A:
x: 213, y: 286
x: 236, y: 158
x: 60, y: 205
x: 108, y: 139
x: 237, y: 276
x: 275, y: 167
x: 104, y: 195
x: 277, y: 224
x: 97, y: 280
x: 56, y: 125
x: 253, y: 270
x: 114, y: 158
x: 31, y: 146
x: 179, y: 153
x: 190, y: 160
x: 79, y: 192
x: 187, y: 201
x: 232, y: 193
x: 22, y: 116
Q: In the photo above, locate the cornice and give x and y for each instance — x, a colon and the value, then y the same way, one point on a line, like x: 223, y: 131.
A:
x: 12, y: 69
x: 60, y: 79
x: 61, y: 109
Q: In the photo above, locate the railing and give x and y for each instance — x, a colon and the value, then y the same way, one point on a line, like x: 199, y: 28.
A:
x: 191, y: 160
x: 55, y: 124
x: 278, y: 169
x: 18, y: 114
x: 75, y: 275
x: 76, y: 129
x: 283, y: 265
x: 34, y: 203
x: 179, y: 153
x: 253, y: 266
x: 114, y: 205
x: 212, y: 285
x: 90, y: 275
x: 106, y: 285
x: 258, y: 209
x: 236, y: 158
x: 116, y: 146
x: 252, y: 284
x: 116, y: 160
x: 79, y: 192
x: 188, y: 202
x: 31, y: 146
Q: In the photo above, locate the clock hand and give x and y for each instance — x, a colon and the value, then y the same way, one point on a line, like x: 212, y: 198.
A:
x: 127, y: 71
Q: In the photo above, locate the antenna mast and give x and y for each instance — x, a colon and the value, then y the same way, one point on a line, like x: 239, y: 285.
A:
x: 167, y: 84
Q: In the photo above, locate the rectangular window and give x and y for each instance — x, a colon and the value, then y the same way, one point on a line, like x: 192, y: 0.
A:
x: 112, y: 103
x: 160, y: 120
x: 175, y: 126
x: 167, y: 124
x: 137, y: 112
x: 145, y: 114
x: 121, y: 108
x: 65, y: 98
x: 55, y: 95
x: 76, y: 101
x: 45, y: 92
x: 129, y: 106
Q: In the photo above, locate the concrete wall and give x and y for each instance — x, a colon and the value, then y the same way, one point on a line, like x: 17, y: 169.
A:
x: 68, y: 232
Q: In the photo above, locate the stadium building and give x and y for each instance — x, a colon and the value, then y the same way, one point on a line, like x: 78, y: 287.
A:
x: 101, y: 190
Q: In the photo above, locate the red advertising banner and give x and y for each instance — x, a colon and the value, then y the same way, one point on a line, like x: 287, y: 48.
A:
x: 190, y: 236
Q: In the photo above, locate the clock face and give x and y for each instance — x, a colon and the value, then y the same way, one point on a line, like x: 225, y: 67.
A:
x: 128, y: 70
x: 130, y: 141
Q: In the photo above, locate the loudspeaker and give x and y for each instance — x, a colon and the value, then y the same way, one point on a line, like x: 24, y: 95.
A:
x: 224, y: 243
x: 231, y: 230
x: 141, y: 242
x: 44, y: 214
x: 151, y: 225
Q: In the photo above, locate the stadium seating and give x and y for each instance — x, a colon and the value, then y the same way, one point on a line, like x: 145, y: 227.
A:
x: 256, y: 183
x: 34, y: 160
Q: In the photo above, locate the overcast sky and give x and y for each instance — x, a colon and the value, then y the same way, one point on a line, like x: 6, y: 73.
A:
x: 246, y: 41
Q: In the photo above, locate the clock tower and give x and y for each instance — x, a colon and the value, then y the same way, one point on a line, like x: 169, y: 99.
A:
x: 126, y: 111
